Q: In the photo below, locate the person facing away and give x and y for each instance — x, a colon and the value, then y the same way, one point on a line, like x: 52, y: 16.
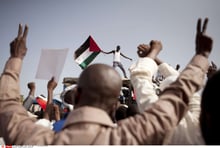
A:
x: 187, y: 131
x: 96, y: 101
x: 117, y: 59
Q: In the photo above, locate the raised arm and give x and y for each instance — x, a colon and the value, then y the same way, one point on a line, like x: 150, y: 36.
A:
x: 203, y: 42
x: 125, y: 56
x: 17, y: 128
x: 51, y: 110
x: 166, y: 113
x: 107, y: 52
x: 51, y: 85
x: 139, y: 71
x: 30, y: 98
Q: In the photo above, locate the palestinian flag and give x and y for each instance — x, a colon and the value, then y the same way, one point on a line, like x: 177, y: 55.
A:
x: 86, y: 53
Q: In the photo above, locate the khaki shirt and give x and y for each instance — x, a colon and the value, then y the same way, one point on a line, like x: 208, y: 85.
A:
x: 88, y: 125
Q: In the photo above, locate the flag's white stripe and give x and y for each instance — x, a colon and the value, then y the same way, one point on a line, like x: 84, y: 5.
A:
x: 83, y: 56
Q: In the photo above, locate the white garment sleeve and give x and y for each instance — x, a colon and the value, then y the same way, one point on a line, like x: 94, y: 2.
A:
x: 167, y: 70
x: 141, y: 74
x: 187, y: 131
x: 169, y: 73
x: 45, y: 123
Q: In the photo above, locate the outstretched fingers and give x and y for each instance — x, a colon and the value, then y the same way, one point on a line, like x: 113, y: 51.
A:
x: 199, y: 25
x: 25, y: 32
x: 205, y: 25
x: 19, y: 31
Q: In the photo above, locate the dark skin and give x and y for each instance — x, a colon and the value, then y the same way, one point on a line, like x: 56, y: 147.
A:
x: 177, y: 67
x: 88, y: 79
x: 18, y: 47
x: 212, y: 69
x: 117, y: 48
x: 203, y: 42
x: 31, y: 86
x: 100, y: 83
x: 204, y: 47
x: 144, y: 50
x: 52, y: 110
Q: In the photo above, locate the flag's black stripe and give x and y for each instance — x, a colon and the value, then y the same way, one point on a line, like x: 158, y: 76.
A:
x: 82, y: 48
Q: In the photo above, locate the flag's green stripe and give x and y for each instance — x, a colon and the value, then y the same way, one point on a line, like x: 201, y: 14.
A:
x: 88, y: 60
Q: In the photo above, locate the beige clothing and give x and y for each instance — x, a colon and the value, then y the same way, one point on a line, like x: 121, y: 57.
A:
x: 188, y: 130
x: 88, y: 125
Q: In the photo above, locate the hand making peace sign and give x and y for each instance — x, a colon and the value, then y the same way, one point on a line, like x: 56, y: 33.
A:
x: 18, y: 45
x: 203, y: 42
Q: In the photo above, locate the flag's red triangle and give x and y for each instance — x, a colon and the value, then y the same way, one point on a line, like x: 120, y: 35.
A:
x: 93, y: 46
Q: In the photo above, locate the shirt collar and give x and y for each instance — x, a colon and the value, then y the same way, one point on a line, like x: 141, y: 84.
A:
x: 89, y: 114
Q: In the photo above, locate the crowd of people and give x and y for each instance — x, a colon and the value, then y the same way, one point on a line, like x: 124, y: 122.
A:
x: 175, y: 108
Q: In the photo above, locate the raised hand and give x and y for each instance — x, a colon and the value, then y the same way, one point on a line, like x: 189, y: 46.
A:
x: 18, y: 45
x: 143, y: 50
x: 31, y: 85
x: 155, y: 48
x: 203, y: 42
x: 212, y: 69
x: 51, y: 85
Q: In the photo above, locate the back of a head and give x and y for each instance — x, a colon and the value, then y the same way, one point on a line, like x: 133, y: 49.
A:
x: 210, y: 110
x: 118, y: 48
x: 99, y: 85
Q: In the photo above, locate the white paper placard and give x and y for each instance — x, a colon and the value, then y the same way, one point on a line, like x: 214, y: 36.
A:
x: 51, y: 63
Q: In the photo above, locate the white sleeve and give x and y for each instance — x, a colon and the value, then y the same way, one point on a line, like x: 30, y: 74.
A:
x: 141, y: 74
x: 167, y: 70
x: 45, y: 123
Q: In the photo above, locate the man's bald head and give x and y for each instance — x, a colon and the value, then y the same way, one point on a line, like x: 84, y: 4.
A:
x: 99, y: 84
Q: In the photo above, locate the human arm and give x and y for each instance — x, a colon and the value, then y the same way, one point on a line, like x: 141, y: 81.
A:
x: 173, y: 102
x: 32, y: 87
x: 125, y: 56
x: 143, y: 50
x: 188, y: 131
x: 146, y: 65
x: 107, y: 52
x: 17, y: 127
x: 29, y: 100
x: 52, y: 111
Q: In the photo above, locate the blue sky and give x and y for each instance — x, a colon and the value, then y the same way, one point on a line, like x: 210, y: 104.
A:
x: 58, y: 24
